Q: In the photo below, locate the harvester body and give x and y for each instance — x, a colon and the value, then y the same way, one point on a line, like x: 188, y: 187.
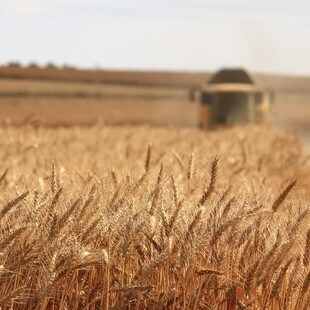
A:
x: 233, y: 96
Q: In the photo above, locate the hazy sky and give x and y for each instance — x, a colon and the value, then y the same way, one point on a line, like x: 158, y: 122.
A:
x: 267, y: 36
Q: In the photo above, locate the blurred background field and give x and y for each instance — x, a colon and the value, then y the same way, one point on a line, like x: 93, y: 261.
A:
x: 69, y: 96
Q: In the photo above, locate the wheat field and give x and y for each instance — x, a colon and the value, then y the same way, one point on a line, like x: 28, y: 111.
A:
x: 153, y: 218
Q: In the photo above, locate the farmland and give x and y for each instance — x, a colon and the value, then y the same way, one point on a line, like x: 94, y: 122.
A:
x: 111, y: 198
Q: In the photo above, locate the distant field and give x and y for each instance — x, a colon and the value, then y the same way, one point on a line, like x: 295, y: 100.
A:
x: 55, y: 112
x: 66, y: 97
x: 120, y: 103
x: 55, y: 103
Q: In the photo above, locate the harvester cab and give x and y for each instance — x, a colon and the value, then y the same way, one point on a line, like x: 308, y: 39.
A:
x: 233, y: 96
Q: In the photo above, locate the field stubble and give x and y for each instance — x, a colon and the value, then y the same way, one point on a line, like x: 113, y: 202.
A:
x: 145, y: 218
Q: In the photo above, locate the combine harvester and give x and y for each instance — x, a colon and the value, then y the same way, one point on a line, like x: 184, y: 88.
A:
x: 233, y: 96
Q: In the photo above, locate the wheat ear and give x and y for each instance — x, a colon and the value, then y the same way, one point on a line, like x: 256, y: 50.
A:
x: 283, y: 196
